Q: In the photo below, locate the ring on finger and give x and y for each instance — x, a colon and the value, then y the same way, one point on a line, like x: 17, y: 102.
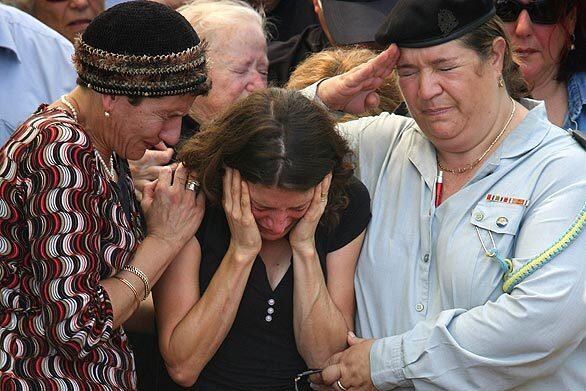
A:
x: 192, y: 185
x: 339, y: 383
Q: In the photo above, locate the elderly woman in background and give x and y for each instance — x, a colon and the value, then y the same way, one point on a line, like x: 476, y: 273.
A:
x: 336, y: 61
x: 67, y: 17
x: 472, y: 271
x: 265, y: 288
x: 237, y: 57
x: 549, y: 38
x: 77, y: 255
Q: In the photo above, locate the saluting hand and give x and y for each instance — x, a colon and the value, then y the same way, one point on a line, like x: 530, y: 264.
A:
x: 354, y: 91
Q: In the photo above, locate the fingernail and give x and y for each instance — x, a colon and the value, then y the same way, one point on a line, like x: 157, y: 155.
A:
x: 351, y: 334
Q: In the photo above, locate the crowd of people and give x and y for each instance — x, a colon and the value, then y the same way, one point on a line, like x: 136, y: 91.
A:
x: 264, y: 195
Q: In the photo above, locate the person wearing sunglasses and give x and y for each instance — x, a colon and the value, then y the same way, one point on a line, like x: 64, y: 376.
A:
x: 549, y: 40
x: 67, y: 17
x: 472, y: 274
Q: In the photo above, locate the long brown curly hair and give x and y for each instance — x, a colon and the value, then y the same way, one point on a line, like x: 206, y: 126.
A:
x: 274, y: 137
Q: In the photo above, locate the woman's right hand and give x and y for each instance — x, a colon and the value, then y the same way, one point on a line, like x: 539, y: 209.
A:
x: 173, y: 212
x: 354, y: 91
x: 245, y: 240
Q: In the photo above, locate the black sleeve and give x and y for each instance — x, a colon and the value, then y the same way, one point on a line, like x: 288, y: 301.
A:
x: 354, y: 218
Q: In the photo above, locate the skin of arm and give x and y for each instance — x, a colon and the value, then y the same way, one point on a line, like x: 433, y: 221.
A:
x: 323, y: 314
x: 184, y: 317
x: 165, y: 203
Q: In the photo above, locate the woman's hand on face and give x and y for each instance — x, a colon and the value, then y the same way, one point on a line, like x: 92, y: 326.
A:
x: 147, y: 169
x: 172, y: 211
x: 354, y: 91
x: 302, y: 236
x: 246, y: 240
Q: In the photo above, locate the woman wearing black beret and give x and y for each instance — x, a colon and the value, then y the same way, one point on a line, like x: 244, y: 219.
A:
x: 472, y: 271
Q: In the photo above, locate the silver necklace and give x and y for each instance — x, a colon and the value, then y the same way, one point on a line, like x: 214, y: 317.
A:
x: 109, y: 170
x: 70, y: 106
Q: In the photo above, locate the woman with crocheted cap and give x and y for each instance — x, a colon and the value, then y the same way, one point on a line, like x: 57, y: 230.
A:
x: 78, y: 256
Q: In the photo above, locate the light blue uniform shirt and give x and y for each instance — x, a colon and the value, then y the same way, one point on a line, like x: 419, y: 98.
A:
x: 427, y: 291
x: 576, y: 118
x: 35, y: 67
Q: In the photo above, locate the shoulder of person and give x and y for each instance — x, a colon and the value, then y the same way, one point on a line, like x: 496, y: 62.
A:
x: 27, y: 30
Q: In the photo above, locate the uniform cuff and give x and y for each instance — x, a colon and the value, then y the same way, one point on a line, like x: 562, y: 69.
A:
x: 386, y: 363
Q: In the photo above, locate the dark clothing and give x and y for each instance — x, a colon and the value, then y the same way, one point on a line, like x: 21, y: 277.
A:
x: 189, y: 127
x: 289, y: 18
x: 285, y: 56
x: 259, y: 352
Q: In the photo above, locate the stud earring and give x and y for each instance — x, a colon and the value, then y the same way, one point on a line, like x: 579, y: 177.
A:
x: 106, y: 114
x: 501, y: 81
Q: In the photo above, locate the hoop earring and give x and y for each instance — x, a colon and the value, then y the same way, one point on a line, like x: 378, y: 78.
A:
x: 106, y: 114
x: 501, y: 81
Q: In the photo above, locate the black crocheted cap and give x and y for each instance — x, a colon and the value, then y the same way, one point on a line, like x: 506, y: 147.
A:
x: 141, y: 48
x: 140, y: 27
x: 424, y: 23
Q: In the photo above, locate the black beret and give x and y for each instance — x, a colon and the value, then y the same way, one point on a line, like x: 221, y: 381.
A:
x: 424, y: 23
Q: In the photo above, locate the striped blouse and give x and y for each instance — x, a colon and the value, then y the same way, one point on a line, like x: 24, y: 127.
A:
x: 63, y: 228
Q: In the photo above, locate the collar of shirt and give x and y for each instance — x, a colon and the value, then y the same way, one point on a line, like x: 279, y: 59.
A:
x: 576, y: 98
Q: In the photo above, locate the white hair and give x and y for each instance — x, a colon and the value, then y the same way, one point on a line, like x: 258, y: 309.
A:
x: 210, y: 17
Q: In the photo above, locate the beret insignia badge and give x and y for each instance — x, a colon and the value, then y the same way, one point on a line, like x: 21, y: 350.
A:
x: 446, y: 21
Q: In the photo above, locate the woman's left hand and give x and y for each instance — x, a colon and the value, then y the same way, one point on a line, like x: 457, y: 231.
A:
x: 350, y: 367
x: 302, y: 236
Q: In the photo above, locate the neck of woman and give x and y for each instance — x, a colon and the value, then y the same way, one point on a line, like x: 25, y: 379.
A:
x: 555, y: 95
x: 91, y: 117
x: 471, y: 150
x: 199, y: 112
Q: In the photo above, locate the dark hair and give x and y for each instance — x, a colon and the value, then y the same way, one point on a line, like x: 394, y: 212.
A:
x: 274, y: 137
x: 481, y: 39
x: 572, y: 61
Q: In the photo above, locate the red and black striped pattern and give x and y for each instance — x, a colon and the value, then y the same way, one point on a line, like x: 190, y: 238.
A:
x: 62, y: 230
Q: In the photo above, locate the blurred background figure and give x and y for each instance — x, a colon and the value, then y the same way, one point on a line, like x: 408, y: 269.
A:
x: 341, y: 23
x: 286, y: 18
x: 67, y: 17
x: 548, y: 37
x: 35, y: 64
x: 237, y: 58
x: 335, y: 61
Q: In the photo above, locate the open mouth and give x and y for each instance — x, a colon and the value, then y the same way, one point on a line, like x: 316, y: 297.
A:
x: 79, y: 23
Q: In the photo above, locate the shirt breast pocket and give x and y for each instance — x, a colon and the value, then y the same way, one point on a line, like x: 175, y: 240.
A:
x: 495, y: 226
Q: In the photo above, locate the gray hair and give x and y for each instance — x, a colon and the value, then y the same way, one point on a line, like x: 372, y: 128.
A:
x: 210, y: 17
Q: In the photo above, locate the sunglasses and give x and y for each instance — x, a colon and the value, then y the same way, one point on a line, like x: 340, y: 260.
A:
x: 301, y: 380
x: 540, y: 11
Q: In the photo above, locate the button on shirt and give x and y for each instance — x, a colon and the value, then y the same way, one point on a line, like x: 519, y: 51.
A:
x: 446, y: 323
x: 35, y: 67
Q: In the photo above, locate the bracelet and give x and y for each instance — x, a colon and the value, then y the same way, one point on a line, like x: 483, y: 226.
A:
x: 130, y: 286
x: 139, y: 273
